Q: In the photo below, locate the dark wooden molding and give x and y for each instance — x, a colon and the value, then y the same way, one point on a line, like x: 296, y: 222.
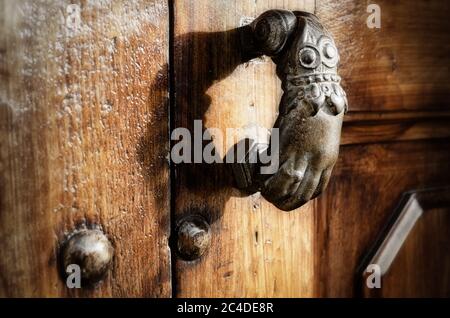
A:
x: 413, y: 205
x: 371, y: 127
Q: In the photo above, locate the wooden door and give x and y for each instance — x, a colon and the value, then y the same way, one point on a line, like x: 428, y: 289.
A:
x: 90, y: 92
x: 395, y: 139
x: 84, y: 135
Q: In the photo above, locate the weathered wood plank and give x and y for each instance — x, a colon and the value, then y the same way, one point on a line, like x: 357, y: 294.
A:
x: 84, y: 136
x: 256, y: 249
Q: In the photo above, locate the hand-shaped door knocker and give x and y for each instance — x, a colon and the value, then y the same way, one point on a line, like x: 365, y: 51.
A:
x: 311, y: 108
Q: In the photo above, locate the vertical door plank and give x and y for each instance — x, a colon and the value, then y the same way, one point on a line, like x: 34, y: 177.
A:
x: 256, y: 249
x: 84, y: 138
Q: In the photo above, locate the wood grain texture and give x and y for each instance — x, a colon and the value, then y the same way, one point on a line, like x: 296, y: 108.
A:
x: 422, y: 267
x: 372, y: 127
x: 420, y: 264
x: 84, y: 140
x: 367, y: 184
x: 403, y: 65
x: 84, y: 135
x: 256, y: 250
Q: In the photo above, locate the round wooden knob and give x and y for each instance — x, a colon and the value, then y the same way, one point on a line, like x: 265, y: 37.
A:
x: 92, y: 251
x: 193, y: 237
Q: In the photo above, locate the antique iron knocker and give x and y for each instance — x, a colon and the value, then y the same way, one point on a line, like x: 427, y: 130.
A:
x: 310, y: 112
